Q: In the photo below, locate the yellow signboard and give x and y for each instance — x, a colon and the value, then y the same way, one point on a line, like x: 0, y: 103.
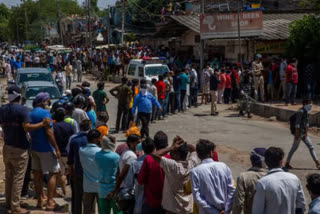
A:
x: 270, y: 47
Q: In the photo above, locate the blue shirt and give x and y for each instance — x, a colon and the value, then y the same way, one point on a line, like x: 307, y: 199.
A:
x: 212, y: 187
x: 144, y: 103
x: 314, y: 206
x: 107, y: 163
x: 17, y: 65
x: 184, y: 81
x: 75, y: 142
x: 93, y: 118
x: 12, y: 117
x: 270, y: 77
x: 90, y: 170
x: 39, y: 139
x: 176, y: 83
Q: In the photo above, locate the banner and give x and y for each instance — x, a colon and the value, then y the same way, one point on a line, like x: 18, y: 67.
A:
x: 225, y: 25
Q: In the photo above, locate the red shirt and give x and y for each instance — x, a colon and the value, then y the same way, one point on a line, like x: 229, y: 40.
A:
x: 235, y: 75
x: 152, y: 177
x: 215, y: 156
x: 228, y: 81
x: 292, y: 74
x: 160, y: 89
x: 222, y: 83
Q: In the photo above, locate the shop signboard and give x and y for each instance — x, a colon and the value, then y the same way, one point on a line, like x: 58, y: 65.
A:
x: 225, y: 25
x: 270, y: 47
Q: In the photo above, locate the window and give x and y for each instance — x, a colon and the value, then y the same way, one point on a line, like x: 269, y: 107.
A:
x: 156, y: 70
x: 32, y: 92
x: 132, y: 69
x: 141, y: 72
x: 35, y: 77
x: 197, y: 39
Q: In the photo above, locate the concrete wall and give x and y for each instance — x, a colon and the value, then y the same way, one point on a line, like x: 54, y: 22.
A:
x: 281, y: 114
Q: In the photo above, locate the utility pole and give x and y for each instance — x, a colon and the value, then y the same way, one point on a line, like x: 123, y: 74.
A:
x: 202, y: 41
x: 239, y: 34
x: 26, y: 21
x: 88, y: 24
x: 123, y: 19
x: 41, y: 27
x: 108, y: 24
x: 58, y: 22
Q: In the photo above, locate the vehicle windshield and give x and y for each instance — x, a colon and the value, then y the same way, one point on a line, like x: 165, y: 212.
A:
x: 156, y: 70
x: 35, y: 77
x: 32, y: 92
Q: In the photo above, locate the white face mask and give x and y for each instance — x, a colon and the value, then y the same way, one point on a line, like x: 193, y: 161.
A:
x: 308, y: 107
x: 143, y: 91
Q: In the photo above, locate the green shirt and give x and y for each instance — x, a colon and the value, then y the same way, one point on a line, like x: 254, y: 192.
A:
x: 99, y: 96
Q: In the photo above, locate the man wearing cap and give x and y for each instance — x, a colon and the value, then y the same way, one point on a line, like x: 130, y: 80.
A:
x: 243, y: 197
x: 15, y: 123
x: 122, y: 93
x: 258, y: 77
x: 144, y: 101
x: 44, y: 149
x: 107, y: 162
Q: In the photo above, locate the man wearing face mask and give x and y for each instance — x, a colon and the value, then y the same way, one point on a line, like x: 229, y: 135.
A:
x: 144, y: 101
x: 45, y: 151
x: 243, y: 196
x: 301, y: 133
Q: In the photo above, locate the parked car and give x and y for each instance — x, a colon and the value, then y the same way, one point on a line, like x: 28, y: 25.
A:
x: 33, y: 74
x: 147, y: 68
x: 29, y: 91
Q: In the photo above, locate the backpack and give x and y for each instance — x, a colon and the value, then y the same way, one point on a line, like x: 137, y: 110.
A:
x: 292, y: 121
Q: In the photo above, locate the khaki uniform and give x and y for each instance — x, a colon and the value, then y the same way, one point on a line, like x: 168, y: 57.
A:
x: 258, y: 79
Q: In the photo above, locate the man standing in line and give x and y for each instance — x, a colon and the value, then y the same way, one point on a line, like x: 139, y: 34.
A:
x: 15, y: 122
x: 90, y: 171
x: 74, y: 166
x: 68, y: 69
x: 313, y: 186
x: 301, y: 133
x: 205, y: 78
x: 212, y: 183
x: 278, y: 192
x: 292, y: 82
x: 161, y: 87
x: 45, y: 151
x: 79, y: 69
x: 183, y: 88
x: 100, y: 98
x: 282, y: 75
x: 222, y: 84
x: 258, y: 77
x: 214, y: 82
x: 243, y: 197
x: 144, y: 101
x: 172, y: 95
x: 122, y: 93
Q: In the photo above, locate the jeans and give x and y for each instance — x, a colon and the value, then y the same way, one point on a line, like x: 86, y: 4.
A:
x: 123, y: 112
x: 68, y: 82
x: 291, y: 92
x: 147, y: 210
x: 161, y: 102
x: 183, y: 94
x: 296, y: 144
x: 178, y: 98
x: 76, y: 182
x: 165, y: 105
x: 15, y: 162
x: 194, y: 97
x: 145, y: 118
x: 171, y: 105
x: 226, y: 96
x: 79, y: 76
x: 234, y: 94
x: 154, y: 113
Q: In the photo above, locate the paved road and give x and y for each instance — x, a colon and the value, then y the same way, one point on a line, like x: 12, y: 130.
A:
x: 235, y: 137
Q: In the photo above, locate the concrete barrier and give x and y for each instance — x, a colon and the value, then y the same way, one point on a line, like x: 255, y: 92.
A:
x: 264, y: 110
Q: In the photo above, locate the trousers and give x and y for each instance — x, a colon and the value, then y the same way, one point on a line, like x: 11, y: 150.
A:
x: 220, y: 95
x: 296, y: 144
x: 144, y: 118
x: 291, y: 92
x: 122, y: 113
x: 15, y: 162
x: 213, y: 101
x: 89, y: 202
x: 77, y: 194
x: 259, y: 84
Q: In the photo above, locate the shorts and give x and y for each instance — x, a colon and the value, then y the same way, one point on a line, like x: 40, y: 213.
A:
x: 205, y: 89
x: 63, y: 164
x: 45, y: 161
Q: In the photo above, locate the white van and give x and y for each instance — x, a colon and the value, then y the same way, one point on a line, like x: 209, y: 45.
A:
x: 148, y: 69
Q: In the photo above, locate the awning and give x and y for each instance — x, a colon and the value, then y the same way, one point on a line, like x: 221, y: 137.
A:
x: 275, y: 26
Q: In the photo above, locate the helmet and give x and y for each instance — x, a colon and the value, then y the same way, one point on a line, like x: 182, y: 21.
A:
x: 68, y: 106
x: 79, y: 100
x: 56, y: 105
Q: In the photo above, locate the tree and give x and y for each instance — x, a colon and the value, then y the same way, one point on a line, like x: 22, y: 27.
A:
x: 4, y: 15
x: 304, y: 39
x: 314, y: 4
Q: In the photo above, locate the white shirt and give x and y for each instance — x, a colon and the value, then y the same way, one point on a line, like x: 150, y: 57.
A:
x: 127, y: 158
x: 278, y: 192
x: 79, y: 115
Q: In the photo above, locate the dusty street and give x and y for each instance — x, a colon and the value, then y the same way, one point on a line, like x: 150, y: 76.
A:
x: 235, y: 137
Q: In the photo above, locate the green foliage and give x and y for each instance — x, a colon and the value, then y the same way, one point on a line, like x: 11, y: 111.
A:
x: 130, y: 37
x: 4, y: 15
x: 146, y: 10
x: 30, y: 47
x: 314, y: 4
x: 304, y: 39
